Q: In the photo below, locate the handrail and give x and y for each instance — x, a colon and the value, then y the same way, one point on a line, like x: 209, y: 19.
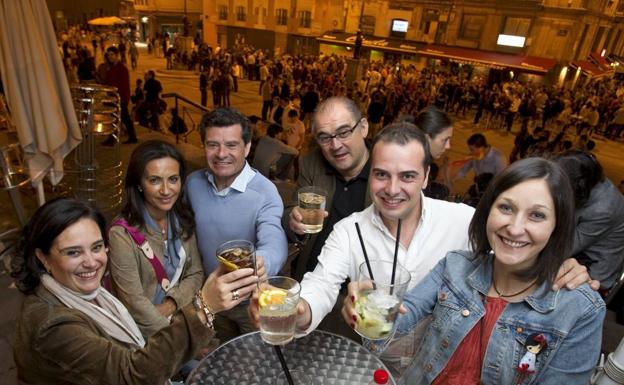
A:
x: 178, y: 96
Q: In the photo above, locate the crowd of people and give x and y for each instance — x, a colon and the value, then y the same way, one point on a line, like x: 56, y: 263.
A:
x: 514, y: 282
x: 507, y: 291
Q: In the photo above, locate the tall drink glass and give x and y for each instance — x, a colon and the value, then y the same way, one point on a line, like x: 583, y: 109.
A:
x: 378, y: 300
x: 237, y: 254
x: 277, y: 303
x: 311, y: 205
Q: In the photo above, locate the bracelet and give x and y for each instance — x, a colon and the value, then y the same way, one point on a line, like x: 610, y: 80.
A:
x: 200, y: 305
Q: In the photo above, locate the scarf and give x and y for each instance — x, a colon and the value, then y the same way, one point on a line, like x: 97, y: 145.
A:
x: 110, y: 314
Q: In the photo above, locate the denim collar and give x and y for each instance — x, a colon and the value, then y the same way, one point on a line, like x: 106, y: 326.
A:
x: 542, y: 300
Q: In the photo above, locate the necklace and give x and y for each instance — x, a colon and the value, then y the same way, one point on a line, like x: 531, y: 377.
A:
x: 501, y: 295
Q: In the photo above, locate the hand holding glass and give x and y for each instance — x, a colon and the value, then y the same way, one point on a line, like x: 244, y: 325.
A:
x: 312, y: 207
x: 277, y: 309
x: 378, y: 301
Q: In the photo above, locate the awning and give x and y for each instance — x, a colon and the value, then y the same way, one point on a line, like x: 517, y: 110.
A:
x: 589, y: 68
x: 600, y: 61
x: 532, y: 64
x: 372, y: 42
x: 110, y: 20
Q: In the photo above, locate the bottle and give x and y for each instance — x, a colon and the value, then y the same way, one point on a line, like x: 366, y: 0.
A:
x: 379, y: 377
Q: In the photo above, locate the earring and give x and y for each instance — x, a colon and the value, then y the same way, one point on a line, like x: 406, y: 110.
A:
x: 140, y: 188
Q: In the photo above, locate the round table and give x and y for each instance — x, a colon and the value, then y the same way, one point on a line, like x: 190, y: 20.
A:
x: 329, y: 359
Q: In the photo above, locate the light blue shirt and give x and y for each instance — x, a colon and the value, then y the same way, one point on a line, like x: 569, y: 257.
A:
x: 250, y: 209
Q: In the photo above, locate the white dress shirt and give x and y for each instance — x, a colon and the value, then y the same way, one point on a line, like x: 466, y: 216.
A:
x: 443, y: 227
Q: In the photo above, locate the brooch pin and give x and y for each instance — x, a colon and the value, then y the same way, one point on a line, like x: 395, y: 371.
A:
x: 534, y: 345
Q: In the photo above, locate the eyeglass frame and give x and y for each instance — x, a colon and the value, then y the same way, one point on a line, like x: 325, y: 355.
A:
x: 327, y: 139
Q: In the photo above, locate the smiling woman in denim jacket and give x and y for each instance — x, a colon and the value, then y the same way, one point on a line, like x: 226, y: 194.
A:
x: 490, y: 305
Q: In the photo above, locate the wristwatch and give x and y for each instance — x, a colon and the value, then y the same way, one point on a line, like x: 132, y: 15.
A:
x: 200, y: 305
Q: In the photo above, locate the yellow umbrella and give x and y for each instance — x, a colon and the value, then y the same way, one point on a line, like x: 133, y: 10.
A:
x: 110, y: 20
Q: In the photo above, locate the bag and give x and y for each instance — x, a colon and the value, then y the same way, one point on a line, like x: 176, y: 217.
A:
x: 143, y: 244
x: 177, y: 126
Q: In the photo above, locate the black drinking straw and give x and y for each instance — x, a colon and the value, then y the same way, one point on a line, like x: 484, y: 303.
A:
x: 278, y: 351
x: 368, y: 266
x: 396, y: 252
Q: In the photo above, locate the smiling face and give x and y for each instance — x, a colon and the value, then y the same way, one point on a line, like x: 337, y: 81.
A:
x: 397, y: 178
x: 77, y: 258
x: 348, y: 156
x: 440, y: 143
x: 161, y: 184
x: 520, y: 223
x: 225, y: 153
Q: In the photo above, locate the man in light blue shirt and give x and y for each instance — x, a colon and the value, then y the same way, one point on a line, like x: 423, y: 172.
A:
x: 232, y: 201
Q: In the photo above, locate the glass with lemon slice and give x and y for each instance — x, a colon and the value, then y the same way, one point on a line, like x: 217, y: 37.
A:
x: 237, y: 254
x: 277, y: 305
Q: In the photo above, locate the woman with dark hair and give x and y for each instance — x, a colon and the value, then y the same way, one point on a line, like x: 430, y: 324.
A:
x: 73, y: 331
x: 599, y: 217
x: 486, y: 305
x: 439, y: 129
x: 154, y: 283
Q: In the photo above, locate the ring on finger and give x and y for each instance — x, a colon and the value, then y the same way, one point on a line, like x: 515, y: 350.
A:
x: 235, y: 295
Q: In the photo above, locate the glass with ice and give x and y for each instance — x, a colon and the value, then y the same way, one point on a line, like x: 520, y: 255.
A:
x: 378, y: 301
x: 277, y: 306
x: 237, y: 254
x: 312, y: 207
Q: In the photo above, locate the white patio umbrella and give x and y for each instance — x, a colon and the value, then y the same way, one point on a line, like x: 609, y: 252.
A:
x: 36, y: 88
x: 109, y: 20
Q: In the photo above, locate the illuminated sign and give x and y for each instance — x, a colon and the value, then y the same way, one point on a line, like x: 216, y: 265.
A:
x: 511, y: 40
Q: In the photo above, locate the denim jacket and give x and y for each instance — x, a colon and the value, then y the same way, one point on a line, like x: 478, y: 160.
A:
x: 452, y: 293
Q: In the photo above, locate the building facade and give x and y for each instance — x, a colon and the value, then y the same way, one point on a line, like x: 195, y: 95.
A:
x: 157, y: 17
x: 565, y: 30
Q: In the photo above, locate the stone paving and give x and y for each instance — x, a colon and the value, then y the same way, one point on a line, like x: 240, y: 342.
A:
x: 248, y: 101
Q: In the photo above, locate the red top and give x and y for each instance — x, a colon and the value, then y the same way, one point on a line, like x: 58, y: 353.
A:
x: 464, y: 367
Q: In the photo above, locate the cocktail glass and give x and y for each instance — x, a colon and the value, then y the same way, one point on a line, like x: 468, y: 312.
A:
x: 277, y: 305
x: 378, y: 300
x: 237, y: 254
x: 312, y: 205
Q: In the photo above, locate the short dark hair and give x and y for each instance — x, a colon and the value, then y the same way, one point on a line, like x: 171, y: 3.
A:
x: 134, y: 201
x: 224, y: 117
x: 477, y: 140
x: 274, y: 129
x: 433, y: 121
x: 46, y: 224
x: 559, y: 246
x: 113, y: 49
x: 402, y: 133
x: 584, y: 172
x: 333, y: 101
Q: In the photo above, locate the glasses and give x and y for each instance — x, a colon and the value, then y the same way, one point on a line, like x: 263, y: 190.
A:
x: 324, y: 139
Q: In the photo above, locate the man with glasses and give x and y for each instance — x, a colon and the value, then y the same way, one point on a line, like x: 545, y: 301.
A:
x: 339, y: 165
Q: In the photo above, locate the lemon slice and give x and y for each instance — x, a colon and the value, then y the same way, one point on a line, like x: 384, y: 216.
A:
x: 228, y: 265
x: 272, y: 297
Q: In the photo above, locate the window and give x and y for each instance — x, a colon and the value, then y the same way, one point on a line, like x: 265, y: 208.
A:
x: 428, y: 16
x: 241, y: 13
x: 368, y: 25
x: 472, y: 26
x: 305, y: 19
x: 223, y: 12
x: 517, y: 26
x: 281, y: 16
